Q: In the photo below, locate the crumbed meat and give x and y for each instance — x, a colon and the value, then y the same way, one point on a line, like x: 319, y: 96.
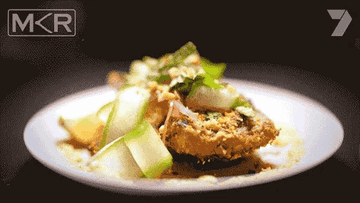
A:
x: 156, y: 111
x: 158, y: 105
x: 230, y: 136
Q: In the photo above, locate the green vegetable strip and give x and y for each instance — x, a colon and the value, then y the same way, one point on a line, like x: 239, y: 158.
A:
x: 214, y: 70
x: 179, y: 56
x: 239, y: 102
x: 108, y: 124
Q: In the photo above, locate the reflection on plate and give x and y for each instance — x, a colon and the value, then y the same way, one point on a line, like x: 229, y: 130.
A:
x: 320, y: 130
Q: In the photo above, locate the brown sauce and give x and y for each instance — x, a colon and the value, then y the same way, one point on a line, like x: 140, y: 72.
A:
x: 249, y: 165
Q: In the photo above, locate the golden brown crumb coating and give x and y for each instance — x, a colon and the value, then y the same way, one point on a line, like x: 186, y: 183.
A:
x: 158, y: 105
x: 230, y: 136
x: 156, y: 111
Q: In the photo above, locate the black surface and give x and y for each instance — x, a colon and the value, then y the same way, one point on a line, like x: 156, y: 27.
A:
x: 285, y: 45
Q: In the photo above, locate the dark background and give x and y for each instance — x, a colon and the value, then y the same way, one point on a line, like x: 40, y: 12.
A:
x: 287, y: 45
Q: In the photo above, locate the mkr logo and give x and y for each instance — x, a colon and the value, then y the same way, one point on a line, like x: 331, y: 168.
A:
x: 41, y: 22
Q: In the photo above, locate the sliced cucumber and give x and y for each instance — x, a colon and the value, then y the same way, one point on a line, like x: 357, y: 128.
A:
x: 115, y: 160
x: 148, y: 150
x: 104, y: 111
x: 222, y: 98
x: 128, y: 111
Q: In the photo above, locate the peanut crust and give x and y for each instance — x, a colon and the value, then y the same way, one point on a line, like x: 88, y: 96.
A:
x: 231, y: 136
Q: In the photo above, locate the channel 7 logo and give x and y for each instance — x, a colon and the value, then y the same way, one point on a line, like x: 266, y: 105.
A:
x: 41, y: 22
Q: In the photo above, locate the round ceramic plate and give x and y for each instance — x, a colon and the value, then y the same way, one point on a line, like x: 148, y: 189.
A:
x: 317, y: 126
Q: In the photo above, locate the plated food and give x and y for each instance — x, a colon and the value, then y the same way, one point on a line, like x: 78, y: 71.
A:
x: 173, y: 117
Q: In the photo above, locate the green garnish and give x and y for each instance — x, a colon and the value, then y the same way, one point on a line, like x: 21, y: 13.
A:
x: 184, y: 86
x: 239, y: 102
x: 177, y: 58
x: 162, y: 78
x: 206, y: 80
x: 214, y: 70
x: 205, y: 73
x: 190, y: 84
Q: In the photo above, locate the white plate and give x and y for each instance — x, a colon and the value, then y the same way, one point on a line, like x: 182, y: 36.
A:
x: 321, y: 130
